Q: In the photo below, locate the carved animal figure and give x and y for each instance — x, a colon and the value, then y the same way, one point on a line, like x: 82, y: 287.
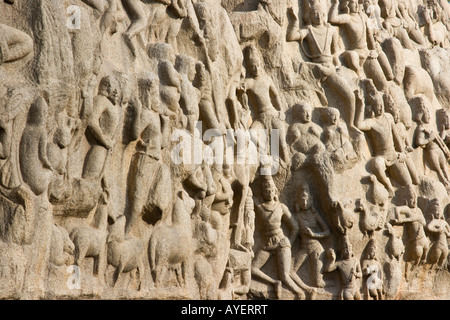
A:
x: 372, y: 218
x: 394, y: 246
x: 91, y: 241
x: 342, y: 219
x: 125, y: 253
x: 171, y: 246
x: 204, y: 277
x: 61, y: 247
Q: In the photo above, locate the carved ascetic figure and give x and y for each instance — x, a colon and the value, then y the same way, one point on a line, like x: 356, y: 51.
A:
x: 432, y: 144
x: 312, y: 228
x: 102, y: 128
x: 323, y: 44
x: 381, y: 131
x: 362, y: 50
x: 443, y: 125
x: 349, y: 269
x: 149, y: 181
x: 14, y: 44
x: 35, y: 167
x: 271, y: 213
x: 261, y: 91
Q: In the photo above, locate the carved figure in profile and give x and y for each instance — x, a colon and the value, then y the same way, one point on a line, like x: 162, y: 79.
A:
x: 323, y: 43
x: 125, y: 253
x: 349, y: 269
x: 384, y: 138
x: 149, y: 182
x: 102, y: 128
x: 312, y: 228
x: 272, y: 214
x: 171, y: 247
x: 190, y: 95
x: 435, y: 151
x: 443, y: 125
x: 35, y: 167
x: 440, y: 230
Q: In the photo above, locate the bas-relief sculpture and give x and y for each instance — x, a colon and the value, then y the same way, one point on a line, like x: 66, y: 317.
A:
x: 350, y: 201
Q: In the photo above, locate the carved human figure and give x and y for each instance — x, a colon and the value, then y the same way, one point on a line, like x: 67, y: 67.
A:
x: 337, y: 141
x: 102, y: 128
x: 149, y: 181
x: 35, y: 167
x: 417, y: 245
x: 265, y: 99
x: 436, y: 23
x: 382, y: 134
x: 323, y: 42
x: 272, y: 214
x: 394, y: 24
x: 14, y: 44
x: 440, y: 230
x: 207, y: 112
x: 170, y: 81
x: 372, y: 273
x: 223, y: 197
x: 312, y: 228
x: 362, y: 49
x: 435, y: 152
x: 165, y: 21
x: 403, y: 134
x: 404, y: 11
x: 373, y: 11
x: 443, y: 125
x: 349, y: 269
x: 190, y: 95
x: 303, y: 136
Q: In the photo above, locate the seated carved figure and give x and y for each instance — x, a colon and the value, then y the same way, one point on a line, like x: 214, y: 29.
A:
x: 337, y: 141
x: 323, y: 44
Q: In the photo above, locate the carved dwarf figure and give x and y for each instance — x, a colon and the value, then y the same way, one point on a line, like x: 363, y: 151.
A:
x: 349, y: 271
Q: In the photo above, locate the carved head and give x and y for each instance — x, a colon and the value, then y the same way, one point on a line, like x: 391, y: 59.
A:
x: 186, y: 65
x: 435, y: 209
x: 253, y: 61
x: 443, y: 122
x: 411, y: 198
x: 109, y: 87
x: 38, y: 112
x: 317, y: 15
x: 303, y: 200
x: 423, y: 114
x: 149, y: 90
x: 304, y: 112
x: 269, y: 190
x: 353, y: 6
x: 377, y: 105
x: 332, y: 116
